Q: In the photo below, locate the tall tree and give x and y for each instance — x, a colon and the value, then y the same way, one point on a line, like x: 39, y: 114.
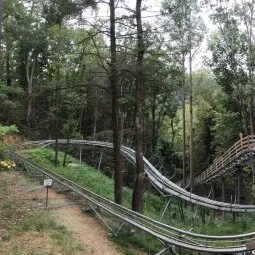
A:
x: 246, y: 14
x: 186, y: 31
x: 138, y: 193
x: 116, y: 116
x: 229, y: 54
x: 1, y: 27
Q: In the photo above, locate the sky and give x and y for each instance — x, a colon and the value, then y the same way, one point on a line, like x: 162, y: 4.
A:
x: 151, y: 15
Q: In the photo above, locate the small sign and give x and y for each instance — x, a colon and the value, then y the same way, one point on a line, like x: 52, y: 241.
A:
x: 47, y: 182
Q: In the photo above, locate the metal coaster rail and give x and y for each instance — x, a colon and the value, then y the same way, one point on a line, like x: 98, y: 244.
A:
x: 167, y: 234
x: 167, y: 187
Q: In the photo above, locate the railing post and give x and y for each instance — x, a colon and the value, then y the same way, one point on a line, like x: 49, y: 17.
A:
x: 241, y: 139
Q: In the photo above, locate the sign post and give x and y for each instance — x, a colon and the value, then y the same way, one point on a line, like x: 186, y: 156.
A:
x: 47, y: 183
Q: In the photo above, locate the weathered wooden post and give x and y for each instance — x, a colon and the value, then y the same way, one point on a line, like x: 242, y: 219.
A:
x: 240, y: 191
x: 223, y: 187
x: 213, y: 196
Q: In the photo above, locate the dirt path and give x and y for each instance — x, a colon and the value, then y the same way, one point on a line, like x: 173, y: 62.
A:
x: 21, y: 198
x: 87, y: 230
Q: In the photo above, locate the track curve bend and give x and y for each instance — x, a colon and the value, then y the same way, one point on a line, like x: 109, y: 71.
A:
x: 171, y: 236
x: 158, y: 180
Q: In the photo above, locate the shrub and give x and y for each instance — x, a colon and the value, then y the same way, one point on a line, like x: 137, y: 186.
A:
x: 6, y: 165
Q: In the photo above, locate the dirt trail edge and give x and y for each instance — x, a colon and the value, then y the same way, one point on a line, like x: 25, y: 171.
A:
x: 88, y: 230
x: 21, y: 197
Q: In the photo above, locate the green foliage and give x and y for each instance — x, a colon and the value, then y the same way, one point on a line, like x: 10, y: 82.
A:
x: 81, y: 174
x: 5, y: 130
x: 226, y: 130
x: 154, y: 205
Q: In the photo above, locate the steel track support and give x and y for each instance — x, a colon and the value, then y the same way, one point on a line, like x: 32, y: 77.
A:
x: 167, y: 205
x: 194, y: 217
x: 100, y: 160
x: 80, y: 155
x: 28, y: 170
x: 119, y: 228
x: 112, y: 232
x: 180, y: 206
x: 168, y: 247
x: 100, y: 217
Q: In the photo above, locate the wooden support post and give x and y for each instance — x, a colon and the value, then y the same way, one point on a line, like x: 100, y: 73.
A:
x: 238, y: 187
x: 205, y: 190
x: 234, y: 217
x: 213, y: 196
x: 223, y: 186
x: 240, y: 190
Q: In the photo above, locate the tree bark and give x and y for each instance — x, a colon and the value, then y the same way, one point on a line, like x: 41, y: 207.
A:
x: 57, y: 100
x: 153, y: 115
x: 30, y: 67
x: 250, y: 32
x: 191, y: 106
x: 8, y: 68
x: 116, y: 116
x: 1, y: 27
x: 183, y: 123
x: 250, y: 69
x: 138, y: 193
x: 191, y: 120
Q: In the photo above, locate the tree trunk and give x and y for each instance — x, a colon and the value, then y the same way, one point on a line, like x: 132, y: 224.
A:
x: 57, y: 118
x: 191, y: 108
x: 29, y: 74
x: 250, y: 69
x: 1, y: 27
x: 57, y: 101
x: 138, y: 193
x: 183, y: 123
x: 251, y: 81
x: 116, y: 123
x: 153, y: 114
x: 8, y: 69
x: 66, y: 150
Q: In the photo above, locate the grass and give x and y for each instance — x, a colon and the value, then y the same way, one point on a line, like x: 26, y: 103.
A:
x: 42, y: 224
x: 154, y: 205
x: 24, y: 229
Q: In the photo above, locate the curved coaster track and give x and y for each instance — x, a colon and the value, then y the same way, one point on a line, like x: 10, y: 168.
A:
x: 167, y: 187
x: 167, y: 234
x: 240, y: 154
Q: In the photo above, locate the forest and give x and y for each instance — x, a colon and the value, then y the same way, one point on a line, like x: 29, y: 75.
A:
x: 175, y: 83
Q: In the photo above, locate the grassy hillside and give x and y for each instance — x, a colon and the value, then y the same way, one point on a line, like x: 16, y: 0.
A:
x: 154, y: 205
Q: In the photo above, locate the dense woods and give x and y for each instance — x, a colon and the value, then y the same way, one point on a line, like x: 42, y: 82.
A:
x: 71, y: 69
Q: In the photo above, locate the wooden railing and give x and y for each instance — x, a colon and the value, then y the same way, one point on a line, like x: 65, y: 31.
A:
x: 245, y: 144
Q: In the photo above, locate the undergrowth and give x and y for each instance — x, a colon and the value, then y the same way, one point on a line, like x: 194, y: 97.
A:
x: 97, y: 182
